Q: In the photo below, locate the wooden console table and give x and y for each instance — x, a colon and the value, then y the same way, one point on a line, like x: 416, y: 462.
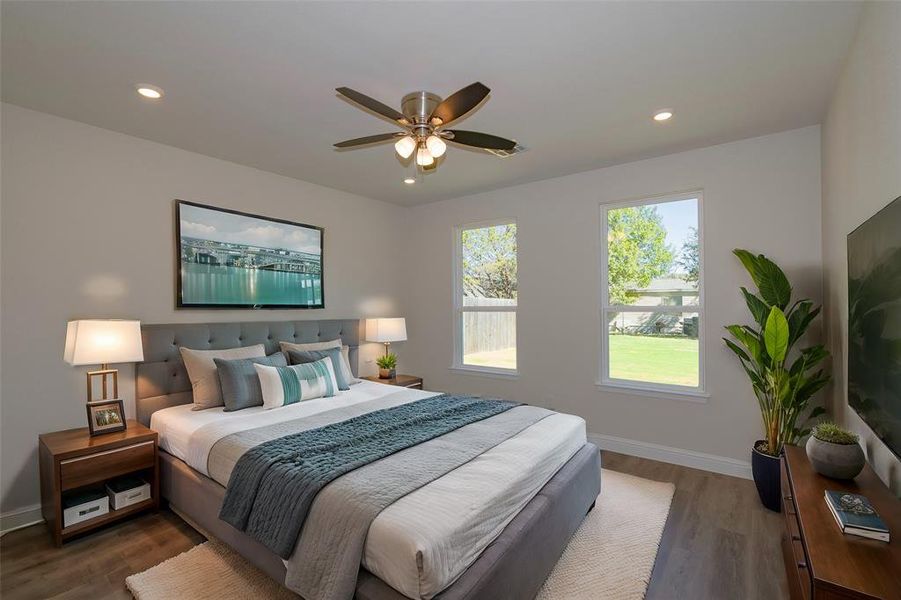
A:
x: 821, y: 562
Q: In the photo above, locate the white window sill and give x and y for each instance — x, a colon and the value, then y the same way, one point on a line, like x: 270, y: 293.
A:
x: 695, y: 396
x: 485, y: 372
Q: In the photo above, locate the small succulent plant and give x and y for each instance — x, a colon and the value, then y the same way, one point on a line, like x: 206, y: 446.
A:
x: 830, y: 432
x: 389, y: 361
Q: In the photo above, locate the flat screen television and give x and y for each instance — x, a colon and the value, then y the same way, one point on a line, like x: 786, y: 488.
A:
x: 874, y: 323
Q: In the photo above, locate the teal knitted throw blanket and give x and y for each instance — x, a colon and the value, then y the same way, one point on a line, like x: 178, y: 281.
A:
x: 274, y: 484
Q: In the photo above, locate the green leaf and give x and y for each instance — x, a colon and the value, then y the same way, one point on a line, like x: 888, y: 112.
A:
x: 796, y: 317
x: 775, y: 335
x: 749, y: 261
x: 735, y: 348
x: 798, y: 367
x: 759, y: 309
x: 748, y: 337
x: 812, y: 386
x: 814, y: 354
x: 772, y: 283
x: 800, y: 319
x: 768, y: 277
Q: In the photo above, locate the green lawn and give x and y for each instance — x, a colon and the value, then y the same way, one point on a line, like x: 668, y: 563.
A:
x: 671, y: 360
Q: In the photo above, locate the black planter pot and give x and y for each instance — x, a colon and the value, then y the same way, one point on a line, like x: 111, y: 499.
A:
x: 767, y: 478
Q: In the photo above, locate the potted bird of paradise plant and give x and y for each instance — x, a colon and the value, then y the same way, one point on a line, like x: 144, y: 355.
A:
x: 783, y: 379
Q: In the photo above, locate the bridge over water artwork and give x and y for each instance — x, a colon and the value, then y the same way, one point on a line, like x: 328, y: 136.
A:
x: 230, y: 259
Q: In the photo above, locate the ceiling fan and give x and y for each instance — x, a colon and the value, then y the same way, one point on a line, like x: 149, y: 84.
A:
x: 423, y: 118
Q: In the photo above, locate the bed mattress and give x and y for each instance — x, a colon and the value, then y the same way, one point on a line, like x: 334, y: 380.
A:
x: 423, y: 542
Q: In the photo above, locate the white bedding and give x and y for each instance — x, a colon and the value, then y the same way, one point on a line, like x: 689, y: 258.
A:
x: 423, y: 542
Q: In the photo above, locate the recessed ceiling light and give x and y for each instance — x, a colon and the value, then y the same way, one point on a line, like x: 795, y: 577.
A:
x: 149, y: 91
x: 663, y: 115
x: 409, y: 181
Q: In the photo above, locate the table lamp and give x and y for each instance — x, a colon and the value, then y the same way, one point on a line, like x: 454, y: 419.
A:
x: 386, y: 331
x: 93, y: 342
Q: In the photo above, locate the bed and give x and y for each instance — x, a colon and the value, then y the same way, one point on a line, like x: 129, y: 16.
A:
x: 492, y: 527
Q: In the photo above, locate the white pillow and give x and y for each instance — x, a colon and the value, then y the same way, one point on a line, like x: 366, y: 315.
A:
x: 296, y: 383
x: 203, y: 374
x: 312, y: 346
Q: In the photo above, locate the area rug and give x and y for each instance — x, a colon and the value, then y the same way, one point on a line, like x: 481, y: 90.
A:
x: 611, y: 556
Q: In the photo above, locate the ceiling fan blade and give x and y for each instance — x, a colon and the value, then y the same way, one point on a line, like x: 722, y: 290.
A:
x: 369, y: 139
x: 373, y: 105
x: 479, y: 140
x: 459, y: 103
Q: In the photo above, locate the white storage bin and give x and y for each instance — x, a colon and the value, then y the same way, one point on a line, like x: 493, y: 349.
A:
x: 125, y: 492
x: 86, y: 510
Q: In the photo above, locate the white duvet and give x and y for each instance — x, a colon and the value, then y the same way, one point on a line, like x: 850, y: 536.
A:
x: 423, y: 542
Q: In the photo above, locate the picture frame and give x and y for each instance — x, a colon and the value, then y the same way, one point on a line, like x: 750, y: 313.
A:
x: 106, y: 416
x: 231, y: 259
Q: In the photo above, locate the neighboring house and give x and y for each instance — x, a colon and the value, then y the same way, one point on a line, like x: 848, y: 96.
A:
x: 665, y: 291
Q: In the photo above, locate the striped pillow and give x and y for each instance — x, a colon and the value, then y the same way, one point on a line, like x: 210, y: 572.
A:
x: 288, y: 385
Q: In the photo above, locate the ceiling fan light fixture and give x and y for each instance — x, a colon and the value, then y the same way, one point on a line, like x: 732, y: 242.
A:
x: 423, y: 120
x: 424, y: 158
x: 436, y: 146
x: 405, y: 146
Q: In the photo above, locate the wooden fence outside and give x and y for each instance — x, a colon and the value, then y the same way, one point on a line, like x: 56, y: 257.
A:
x: 488, y: 331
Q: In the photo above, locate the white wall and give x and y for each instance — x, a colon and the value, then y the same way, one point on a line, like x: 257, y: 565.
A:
x: 88, y: 231
x: 861, y: 174
x: 762, y: 194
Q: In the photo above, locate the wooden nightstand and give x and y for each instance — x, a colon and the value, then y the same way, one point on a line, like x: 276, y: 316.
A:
x: 72, y: 459
x: 407, y: 381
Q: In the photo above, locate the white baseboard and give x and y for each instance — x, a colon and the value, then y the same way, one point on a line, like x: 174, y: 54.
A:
x: 19, y: 518
x: 676, y: 456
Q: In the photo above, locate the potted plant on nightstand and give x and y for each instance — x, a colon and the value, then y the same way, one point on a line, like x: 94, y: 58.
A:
x: 783, y: 380
x: 387, y: 366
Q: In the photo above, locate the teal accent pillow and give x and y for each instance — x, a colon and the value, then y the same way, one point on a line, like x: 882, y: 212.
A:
x: 302, y: 357
x: 239, y: 382
x: 288, y: 385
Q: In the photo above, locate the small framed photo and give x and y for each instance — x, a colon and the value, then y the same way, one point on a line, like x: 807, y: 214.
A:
x: 106, y: 416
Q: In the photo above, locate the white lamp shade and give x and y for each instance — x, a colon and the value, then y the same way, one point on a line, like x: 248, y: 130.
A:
x: 95, y: 342
x: 423, y: 157
x: 405, y: 146
x: 436, y: 146
x: 386, y: 330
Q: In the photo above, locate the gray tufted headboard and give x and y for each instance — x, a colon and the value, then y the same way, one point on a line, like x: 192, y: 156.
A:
x: 161, y: 380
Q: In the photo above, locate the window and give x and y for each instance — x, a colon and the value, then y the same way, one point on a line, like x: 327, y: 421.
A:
x: 652, y: 301
x: 485, y: 297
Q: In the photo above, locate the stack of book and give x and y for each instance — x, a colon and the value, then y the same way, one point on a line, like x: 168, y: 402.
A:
x: 856, y: 516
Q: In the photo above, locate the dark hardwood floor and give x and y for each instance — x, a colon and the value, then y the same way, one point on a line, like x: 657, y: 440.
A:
x: 93, y: 567
x: 719, y: 543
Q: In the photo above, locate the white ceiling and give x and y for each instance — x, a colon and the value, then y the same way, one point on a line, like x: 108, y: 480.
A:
x: 253, y: 82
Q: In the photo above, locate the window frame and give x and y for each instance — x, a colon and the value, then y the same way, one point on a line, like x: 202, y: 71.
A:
x: 457, y: 364
x: 645, y: 388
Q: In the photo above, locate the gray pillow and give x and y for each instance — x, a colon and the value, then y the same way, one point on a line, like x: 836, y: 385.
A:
x: 300, y: 357
x: 202, y: 371
x: 239, y: 381
x: 345, y: 354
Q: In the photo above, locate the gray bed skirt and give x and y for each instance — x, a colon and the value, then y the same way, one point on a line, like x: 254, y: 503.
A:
x: 512, y: 567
